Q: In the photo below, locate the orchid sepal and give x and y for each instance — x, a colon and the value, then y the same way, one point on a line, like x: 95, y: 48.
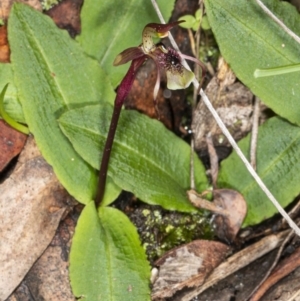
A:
x: 127, y: 55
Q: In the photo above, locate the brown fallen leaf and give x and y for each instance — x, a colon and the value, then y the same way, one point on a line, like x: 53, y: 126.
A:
x: 4, y: 47
x: 48, y: 279
x: 27, y: 221
x: 11, y: 143
x: 170, y: 104
x: 140, y: 97
x: 5, y: 6
x: 66, y: 15
x: 227, y: 226
x: 187, y: 266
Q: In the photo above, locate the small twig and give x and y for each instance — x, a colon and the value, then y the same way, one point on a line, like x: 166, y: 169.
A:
x: 286, y: 267
x: 195, y: 49
x: 213, y: 158
x: 201, y: 203
x: 192, y: 41
x: 236, y: 262
x: 293, y: 212
x: 293, y: 298
x: 198, y: 36
x: 278, y: 255
x: 254, y: 133
x: 229, y: 137
x: 279, y: 22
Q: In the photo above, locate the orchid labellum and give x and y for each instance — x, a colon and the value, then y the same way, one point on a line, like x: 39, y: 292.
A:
x: 167, y: 60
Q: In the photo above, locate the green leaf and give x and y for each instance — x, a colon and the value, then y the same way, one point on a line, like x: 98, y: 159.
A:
x: 198, y: 14
x: 52, y: 75
x: 205, y: 24
x: 109, y: 27
x: 7, y: 118
x: 196, y: 26
x: 107, y: 261
x: 278, y: 164
x: 12, y: 105
x: 189, y: 21
x: 111, y: 192
x: 249, y: 39
x: 146, y: 159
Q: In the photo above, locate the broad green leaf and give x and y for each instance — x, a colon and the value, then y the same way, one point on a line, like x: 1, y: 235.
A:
x: 278, y: 164
x: 109, y: 27
x: 11, y: 104
x: 249, y: 39
x: 53, y: 75
x: 146, y: 159
x: 107, y: 261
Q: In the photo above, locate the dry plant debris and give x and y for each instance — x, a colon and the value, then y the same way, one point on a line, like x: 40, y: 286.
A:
x: 66, y: 15
x: 227, y: 226
x: 11, y: 144
x: 48, y: 279
x: 29, y: 216
x: 6, y: 5
x: 235, y: 263
x: 287, y: 266
x: 233, y: 102
x: 187, y: 266
x: 4, y: 47
x: 229, y: 207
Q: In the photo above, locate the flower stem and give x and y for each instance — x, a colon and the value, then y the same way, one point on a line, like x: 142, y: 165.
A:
x: 106, y: 154
x: 122, y: 93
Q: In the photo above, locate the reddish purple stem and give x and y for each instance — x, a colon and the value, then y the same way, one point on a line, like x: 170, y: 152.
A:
x: 122, y: 93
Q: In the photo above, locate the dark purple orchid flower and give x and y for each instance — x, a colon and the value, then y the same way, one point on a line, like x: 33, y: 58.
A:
x: 169, y: 60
